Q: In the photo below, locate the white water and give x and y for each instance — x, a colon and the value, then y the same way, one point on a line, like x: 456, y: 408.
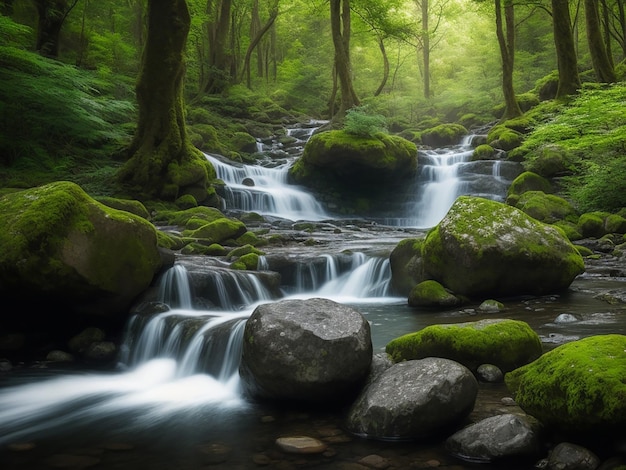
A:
x: 266, y: 192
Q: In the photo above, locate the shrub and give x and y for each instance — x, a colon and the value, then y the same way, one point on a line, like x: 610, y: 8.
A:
x: 360, y: 123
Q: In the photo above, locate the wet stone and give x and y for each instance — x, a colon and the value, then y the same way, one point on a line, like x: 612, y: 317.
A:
x: 261, y: 460
x: 301, y: 445
x: 375, y: 461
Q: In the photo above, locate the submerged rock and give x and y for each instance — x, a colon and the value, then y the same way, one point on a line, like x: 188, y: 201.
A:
x: 313, y: 350
x: 496, y: 438
x: 414, y: 399
x: 508, y: 344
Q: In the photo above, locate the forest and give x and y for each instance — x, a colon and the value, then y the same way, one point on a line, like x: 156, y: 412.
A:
x: 83, y: 81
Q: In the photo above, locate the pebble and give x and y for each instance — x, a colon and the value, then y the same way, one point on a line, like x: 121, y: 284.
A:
x: 301, y: 445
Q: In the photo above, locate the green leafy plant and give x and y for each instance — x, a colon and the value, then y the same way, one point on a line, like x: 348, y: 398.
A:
x: 360, y: 123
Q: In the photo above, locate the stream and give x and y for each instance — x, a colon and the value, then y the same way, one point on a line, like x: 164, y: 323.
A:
x: 174, y: 400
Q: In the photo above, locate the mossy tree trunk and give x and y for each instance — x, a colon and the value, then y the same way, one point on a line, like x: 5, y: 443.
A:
x: 599, y: 58
x: 505, y: 31
x: 340, y: 26
x: 220, y: 61
x: 569, y: 81
x: 162, y: 161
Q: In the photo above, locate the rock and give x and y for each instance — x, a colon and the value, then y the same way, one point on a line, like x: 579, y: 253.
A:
x: 355, y: 163
x: 577, y: 387
x: 101, y: 352
x: 313, y: 350
x: 301, y: 445
x: 486, y: 248
x: 567, y: 456
x: 491, y: 306
x: 406, y: 265
x: 527, y: 181
x: 489, y: 373
x: 59, y: 356
x: 414, y: 399
x: 218, y: 231
x: 443, y: 134
x: 431, y: 294
x: 547, y: 208
x: 496, y: 438
x: 508, y: 344
x: 62, y: 248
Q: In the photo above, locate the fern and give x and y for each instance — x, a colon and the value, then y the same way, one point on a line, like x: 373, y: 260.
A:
x: 360, y: 123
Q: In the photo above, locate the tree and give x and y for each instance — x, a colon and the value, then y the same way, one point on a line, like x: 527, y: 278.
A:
x: 255, y: 39
x: 218, y: 30
x: 569, y: 81
x: 51, y: 16
x: 162, y: 162
x: 340, y: 27
x: 505, y: 31
x: 599, y: 58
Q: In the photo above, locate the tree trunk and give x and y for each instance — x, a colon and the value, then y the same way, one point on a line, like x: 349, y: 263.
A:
x: 383, y: 83
x: 254, y: 42
x: 426, y: 48
x: 506, y: 41
x: 601, y: 65
x: 340, y: 26
x: 606, y: 23
x: 51, y: 16
x: 162, y: 162
x: 219, y: 60
x: 569, y: 81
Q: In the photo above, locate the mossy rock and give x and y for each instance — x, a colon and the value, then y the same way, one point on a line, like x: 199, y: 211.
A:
x: 549, y: 161
x: 248, y: 262
x: 584, y: 251
x: 62, y: 247
x: 528, y: 181
x: 243, y: 142
x: 483, y: 152
x: 570, y: 229
x: 129, y: 205
x: 406, y: 265
x: 576, y: 387
x: 615, y: 223
x: 169, y: 217
x: 218, y: 231
x: 250, y: 238
x: 484, y: 248
x: 508, y: 344
x: 431, y: 294
x: 186, y: 201
x: 547, y: 208
x: 591, y: 224
x: 355, y: 163
x: 444, y: 134
x: 169, y: 241
x: 243, y: 250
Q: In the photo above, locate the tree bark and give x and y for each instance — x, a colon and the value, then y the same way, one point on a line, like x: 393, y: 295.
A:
x: 219, y: 60
x: 599, y: 58
x: 506, y: 41
x: 340, y: 26
x: 51, y: 16
x: 383, y: 51
x: 162, y: 161
x: 254, y: 42
x: 569, y: 81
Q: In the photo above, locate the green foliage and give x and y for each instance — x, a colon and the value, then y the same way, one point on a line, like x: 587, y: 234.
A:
x: 50, y: 109
x: 590, y: 129
x: 361, y: 123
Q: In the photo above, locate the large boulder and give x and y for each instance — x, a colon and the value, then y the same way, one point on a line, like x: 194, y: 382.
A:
x: 313, y: 350
x: 414, y: 399
x: 363, y: 164
x: 577, y: 387
x: 505, y: 343
x: 484, y: 248
x: 63, y: 249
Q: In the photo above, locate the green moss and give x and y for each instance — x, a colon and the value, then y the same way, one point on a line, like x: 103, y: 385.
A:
x: 483, y: 152
x: 218, y: 231
x: 444, y: 134
x: 569, y: 229
x: 507, y: 344
x: 186, y: 201
x: 432, y: 294
x: 584, y: 251
x: 169, y: 241
x: 248, y: 262
x: 591, y: 224
x: 547, y: 208
x: 243, y: 250
x: 128, y: 205
x: 529, y: 181
x: 181, y: 218
x: 578, y: 386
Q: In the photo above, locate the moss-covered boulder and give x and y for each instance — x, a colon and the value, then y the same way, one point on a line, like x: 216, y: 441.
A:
x: 483, y: 152
x: 182, y: 217
x: 357, y: 163
x: 548, y: 208
x: 597, y: 224
x: 62, y: 248
x: 484, y: 248
x: 129, y: 205
x: 577, y: 387
x: 527, y: 181
x: 443, y: 134
x: 431, y: 294
x: 218, y: 231
x: 508, y: 344
x: 550, y: 160
x: 406, y: 265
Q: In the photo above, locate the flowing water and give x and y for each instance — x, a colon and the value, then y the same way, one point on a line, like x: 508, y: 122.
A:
x: 175, y: 401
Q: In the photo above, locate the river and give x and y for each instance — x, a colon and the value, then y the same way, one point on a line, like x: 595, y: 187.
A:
x: 173, y: 404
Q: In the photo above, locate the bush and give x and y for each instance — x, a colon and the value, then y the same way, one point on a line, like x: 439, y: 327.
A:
x: 358, y: 122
